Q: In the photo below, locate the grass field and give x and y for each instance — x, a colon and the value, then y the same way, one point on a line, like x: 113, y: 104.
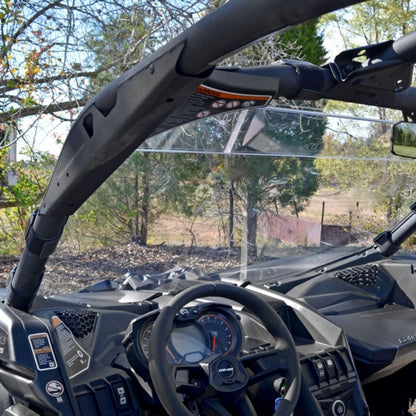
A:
x: 340, y: 203
x: 408, y: 151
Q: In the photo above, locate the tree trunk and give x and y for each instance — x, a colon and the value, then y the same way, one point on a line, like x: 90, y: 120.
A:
x: 135, y: 231
x: 145, y: 210
x: 231, y: 216
x: 251, y: 226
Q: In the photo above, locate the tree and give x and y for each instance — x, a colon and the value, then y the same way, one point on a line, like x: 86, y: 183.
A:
x: 44, y: 53
x: 305, y: 40
x: 301, y: 42
x: 120, y: 209
x: 265, y: 183
x: 187, y: 186
x: 145, y: 186
x: 62, y: 58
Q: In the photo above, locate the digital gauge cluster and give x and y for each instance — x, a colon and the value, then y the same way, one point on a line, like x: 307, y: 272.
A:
x: 198, y: 332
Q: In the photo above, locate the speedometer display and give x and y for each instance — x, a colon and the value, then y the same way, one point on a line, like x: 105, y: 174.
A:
x: 220, y: 332
x: 192, y: 340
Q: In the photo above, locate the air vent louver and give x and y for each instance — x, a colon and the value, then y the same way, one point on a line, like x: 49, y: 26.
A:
x: 79, y: 321
x: 360, y: 275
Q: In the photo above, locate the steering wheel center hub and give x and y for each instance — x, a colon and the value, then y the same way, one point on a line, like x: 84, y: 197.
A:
x: 226, y: 369
x: 226, y: 373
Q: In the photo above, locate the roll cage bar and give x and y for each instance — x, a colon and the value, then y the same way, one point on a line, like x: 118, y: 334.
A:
x: 151, y: 98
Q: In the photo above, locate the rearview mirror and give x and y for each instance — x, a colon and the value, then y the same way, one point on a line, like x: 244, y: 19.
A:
x: 403, y: 140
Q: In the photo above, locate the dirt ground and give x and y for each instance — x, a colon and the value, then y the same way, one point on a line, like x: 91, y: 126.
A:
x: 69, y: 271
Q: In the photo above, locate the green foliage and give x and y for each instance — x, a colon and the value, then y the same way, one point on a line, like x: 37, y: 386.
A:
x: 3, y: 173
x: 185, y: 188
x: 112, y: 214
x: 140, y: 190
x: 404, y: 140
x: 305, y: 40
x: 33, y: 174
x: 145, y: 186
x: 120, y: 38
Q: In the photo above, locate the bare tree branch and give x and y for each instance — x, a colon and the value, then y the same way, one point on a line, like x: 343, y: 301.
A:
x: 41, y: 109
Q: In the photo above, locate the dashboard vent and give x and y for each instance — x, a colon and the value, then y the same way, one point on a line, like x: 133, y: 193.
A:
x: 360, y: 275
x: 79, y: 321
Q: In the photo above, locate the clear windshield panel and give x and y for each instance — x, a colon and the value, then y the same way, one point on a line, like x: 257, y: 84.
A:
x: 245, y: 187
x: 279, y: 182
x: 273, y: 132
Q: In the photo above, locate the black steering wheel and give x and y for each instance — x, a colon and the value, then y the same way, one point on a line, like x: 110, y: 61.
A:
x: 226, y: 375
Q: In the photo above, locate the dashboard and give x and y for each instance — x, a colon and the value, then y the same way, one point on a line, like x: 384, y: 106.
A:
x: 100, y: 344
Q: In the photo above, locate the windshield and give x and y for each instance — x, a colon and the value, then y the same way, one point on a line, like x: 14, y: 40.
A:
x: 248, y: 186
x: 297, y: 181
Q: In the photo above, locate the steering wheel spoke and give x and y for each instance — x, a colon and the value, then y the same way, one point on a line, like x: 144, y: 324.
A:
x: 190, y: 379
x: 269, y: 361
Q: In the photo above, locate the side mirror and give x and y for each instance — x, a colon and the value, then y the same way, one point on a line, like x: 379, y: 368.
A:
x: 403, y: 139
